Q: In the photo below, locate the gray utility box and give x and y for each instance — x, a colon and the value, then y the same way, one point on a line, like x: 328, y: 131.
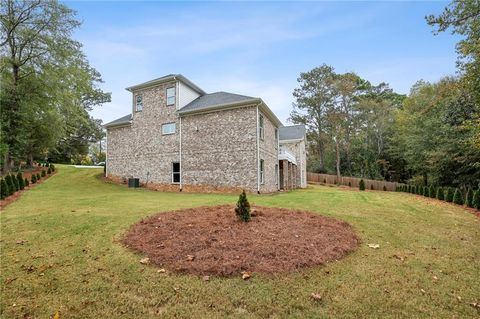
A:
x: 133, y: 182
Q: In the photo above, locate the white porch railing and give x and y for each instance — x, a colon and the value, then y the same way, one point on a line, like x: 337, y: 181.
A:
x: 285, y: 154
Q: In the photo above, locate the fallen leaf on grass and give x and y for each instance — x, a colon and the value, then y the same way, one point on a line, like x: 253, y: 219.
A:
x: 374, y: 246
x: 145, y: 260
x: 206, y: 278
x: 245, y: 275
x: 21, y: 241
x: 161, y: 271
x: 316, y: 297
x: 56, y: 315
x: 475, y: 305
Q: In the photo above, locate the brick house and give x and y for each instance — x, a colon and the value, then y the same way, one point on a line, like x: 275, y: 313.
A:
x: 178, y: 137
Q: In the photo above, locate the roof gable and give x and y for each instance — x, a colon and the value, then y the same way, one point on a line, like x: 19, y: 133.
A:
x: 293, y: 132
x: 124, y: 120
x: 167, y: 78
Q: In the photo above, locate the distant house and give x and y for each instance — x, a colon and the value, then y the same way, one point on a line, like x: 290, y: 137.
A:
x: 180, y: 137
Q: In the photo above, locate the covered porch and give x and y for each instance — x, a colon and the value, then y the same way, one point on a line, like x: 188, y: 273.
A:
x: 288, y: 170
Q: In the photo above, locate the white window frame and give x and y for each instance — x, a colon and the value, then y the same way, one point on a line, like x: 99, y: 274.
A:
x: 261, y: 126
x: 169, y: 132
x: 137, y: 109
x: 174, y: 96
x: 179, y: 173
x: 262, y: 171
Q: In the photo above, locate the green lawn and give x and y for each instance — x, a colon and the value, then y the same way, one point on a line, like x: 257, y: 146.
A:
x: 72, y: 261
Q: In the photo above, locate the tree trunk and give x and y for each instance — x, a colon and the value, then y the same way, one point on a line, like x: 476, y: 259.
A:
x: 337, y: 150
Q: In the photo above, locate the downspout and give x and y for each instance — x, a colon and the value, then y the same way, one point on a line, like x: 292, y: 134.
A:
x: 180, y: 151
x: 258, y: 155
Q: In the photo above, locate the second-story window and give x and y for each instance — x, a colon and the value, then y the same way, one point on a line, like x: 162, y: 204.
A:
x: 138, y: 103
x: 276, y: 137
x: 171, y: 96
x: 261, y: 127
x: 168, y: 128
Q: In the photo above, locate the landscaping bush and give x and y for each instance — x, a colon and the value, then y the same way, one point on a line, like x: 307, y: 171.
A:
x: 243, y: 207
x: 52, y: 167
x: 38, y: 176
x: 476, y: 199
x: 43, y: 173
x: 469, y: 198
x: 440, y: 193
x: 371, y: 187
x: 324, y: 181
x: 21, y: 184
x: 49, y: 171
x: 431, y: 191
x: 458, y: 197
x: 449, y: 195
x: 349, y: 184
x: 16, y: 186
x: 26, y: 182
x: 10, y: 187
x: 384, y: 188
x: 4, y: 191
x: 34, y: 178
x: 425, y: 191
x: 361, y: 185
x: 39, y: 164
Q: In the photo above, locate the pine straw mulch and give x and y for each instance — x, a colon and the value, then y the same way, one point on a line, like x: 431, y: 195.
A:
x: 212, y: 241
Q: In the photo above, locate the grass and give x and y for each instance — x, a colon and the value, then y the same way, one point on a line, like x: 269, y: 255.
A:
x: 72, y: 261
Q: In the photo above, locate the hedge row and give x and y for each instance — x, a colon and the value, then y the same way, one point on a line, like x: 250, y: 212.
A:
x: 12, y: 183
x: 470, y: 198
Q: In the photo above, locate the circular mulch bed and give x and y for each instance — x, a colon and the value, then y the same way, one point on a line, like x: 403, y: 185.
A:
x: 212, y: 241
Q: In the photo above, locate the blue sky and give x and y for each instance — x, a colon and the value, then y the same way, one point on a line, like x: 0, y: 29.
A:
x: 259, y: 48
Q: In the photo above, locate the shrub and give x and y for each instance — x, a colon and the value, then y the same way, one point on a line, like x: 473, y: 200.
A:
x: 26, y: 182
x: 324, y: 181
x: 371, y: 187
x: 39, y: 164
x: 431, y: 191
x: 361, y: 185
x: 449, y: 195
x: 469, y: 198
x: 21, y: 183
x: 49, y: 170
x: 47, y: 164
x: 476, y: 199
x: 16, y: 186
x: 458, y: 197
x: 38, y: 176
x: 440, y: 193
x: 243, y: 208
x: 43, y: 173
x: 4, y: 191
x: 426, y: 191
x: 52, y: 167
x: 10, y: 187
x: 349, y: 184
x: 384, y: 188
x: 34, y: 178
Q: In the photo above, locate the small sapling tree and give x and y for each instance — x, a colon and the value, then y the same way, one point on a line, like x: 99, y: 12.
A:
x: 20, y: 180
x: 243, y: 208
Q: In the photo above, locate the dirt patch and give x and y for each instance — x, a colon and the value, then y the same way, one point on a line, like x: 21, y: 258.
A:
x: 212, y: 241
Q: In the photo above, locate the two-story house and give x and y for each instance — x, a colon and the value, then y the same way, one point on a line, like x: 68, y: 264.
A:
x: 179, y: 137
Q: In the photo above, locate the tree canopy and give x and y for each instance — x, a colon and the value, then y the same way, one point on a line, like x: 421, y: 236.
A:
x: 48, y: 86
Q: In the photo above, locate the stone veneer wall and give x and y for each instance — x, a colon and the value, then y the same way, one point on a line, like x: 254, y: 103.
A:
x: 269, y: 153
x: 141, y: 149
x: 219, y: 149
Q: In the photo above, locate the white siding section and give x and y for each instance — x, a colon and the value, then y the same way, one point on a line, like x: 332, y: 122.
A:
x: 185, y: 95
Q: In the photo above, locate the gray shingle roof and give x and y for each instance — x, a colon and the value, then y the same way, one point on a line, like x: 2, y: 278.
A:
x: 121, y: 121
x: 293, y: 132
x: 215, y: 99
x: 166, y: 78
